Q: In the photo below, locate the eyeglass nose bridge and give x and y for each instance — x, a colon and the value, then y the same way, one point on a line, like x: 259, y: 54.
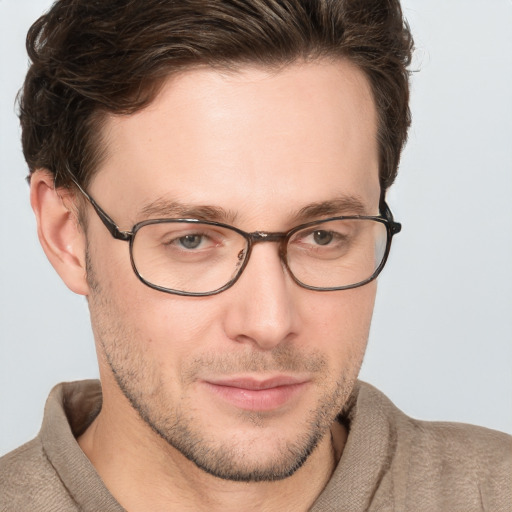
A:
x: 265, y: 236
x: 269, y: 236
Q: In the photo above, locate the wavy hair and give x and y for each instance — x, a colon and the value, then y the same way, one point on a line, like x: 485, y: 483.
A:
x: 91, y: 58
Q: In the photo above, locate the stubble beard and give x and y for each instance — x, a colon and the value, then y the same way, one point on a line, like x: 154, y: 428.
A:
x: 139, y: 381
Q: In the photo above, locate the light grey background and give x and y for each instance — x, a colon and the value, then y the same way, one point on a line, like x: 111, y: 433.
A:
x: 441, y: 340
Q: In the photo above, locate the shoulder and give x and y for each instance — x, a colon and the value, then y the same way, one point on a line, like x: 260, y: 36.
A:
x: 480, y: 449
x: 442, y: 465
x: 449, y: 442
x: 459, y: 441
x: 452, y: 464
x: 29, y: 482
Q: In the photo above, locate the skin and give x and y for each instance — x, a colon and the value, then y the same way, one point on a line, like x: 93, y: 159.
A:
x: 262, y: 145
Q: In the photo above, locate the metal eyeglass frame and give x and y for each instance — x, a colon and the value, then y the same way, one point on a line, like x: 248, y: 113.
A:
x: 386, y: 218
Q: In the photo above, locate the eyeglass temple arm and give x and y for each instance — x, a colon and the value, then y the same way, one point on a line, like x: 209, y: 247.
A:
x: 105, y: 218
x: 396, y: 227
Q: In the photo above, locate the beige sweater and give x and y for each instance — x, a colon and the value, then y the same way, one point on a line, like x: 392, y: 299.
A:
x: 390, y: 462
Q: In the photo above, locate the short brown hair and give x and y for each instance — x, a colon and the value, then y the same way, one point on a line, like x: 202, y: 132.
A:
x: 91, y: 58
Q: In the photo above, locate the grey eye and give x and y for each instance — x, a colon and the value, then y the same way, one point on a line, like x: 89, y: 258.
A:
x: 191, y: 241
x: 322, y: 237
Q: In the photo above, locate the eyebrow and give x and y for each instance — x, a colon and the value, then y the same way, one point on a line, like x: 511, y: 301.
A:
x: 343, y: 205
x: 164, y: 208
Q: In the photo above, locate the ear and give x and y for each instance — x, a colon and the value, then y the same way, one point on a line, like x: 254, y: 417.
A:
x: 59, y: 232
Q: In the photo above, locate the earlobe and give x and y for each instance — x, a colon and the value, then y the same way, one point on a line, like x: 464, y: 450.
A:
x: 61, y: 237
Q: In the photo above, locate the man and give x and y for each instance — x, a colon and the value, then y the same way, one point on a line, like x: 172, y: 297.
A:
x: 212, y: 177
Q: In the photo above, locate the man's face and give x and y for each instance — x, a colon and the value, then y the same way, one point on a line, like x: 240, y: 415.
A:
x: 247, y: 382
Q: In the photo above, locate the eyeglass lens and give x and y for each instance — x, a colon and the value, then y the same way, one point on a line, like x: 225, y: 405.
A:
x: 201, y: 258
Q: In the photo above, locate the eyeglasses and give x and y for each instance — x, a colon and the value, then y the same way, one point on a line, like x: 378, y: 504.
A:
x: 199, y: 257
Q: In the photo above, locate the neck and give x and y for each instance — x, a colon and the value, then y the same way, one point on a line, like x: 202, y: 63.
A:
x: 143, y: 472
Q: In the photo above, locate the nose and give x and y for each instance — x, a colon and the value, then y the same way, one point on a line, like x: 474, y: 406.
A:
x: 262, y: 307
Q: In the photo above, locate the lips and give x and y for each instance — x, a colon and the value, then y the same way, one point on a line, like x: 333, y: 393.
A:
x: 255, y: 394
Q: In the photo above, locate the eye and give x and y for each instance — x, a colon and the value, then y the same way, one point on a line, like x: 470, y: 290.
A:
x: 330, y: 239
x: 191, y: 241
x: 322, y: 237
x: 188, y: 241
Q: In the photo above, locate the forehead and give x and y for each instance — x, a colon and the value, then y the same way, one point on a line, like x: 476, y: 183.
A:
x: 252, y: 140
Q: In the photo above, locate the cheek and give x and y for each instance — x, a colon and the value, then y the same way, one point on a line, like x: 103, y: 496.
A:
x: 342, y: 320
x: 169, y: 330
x: 168, y: 325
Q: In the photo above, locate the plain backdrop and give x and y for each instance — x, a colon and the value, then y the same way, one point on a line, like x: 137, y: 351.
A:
x: 441, y: 339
